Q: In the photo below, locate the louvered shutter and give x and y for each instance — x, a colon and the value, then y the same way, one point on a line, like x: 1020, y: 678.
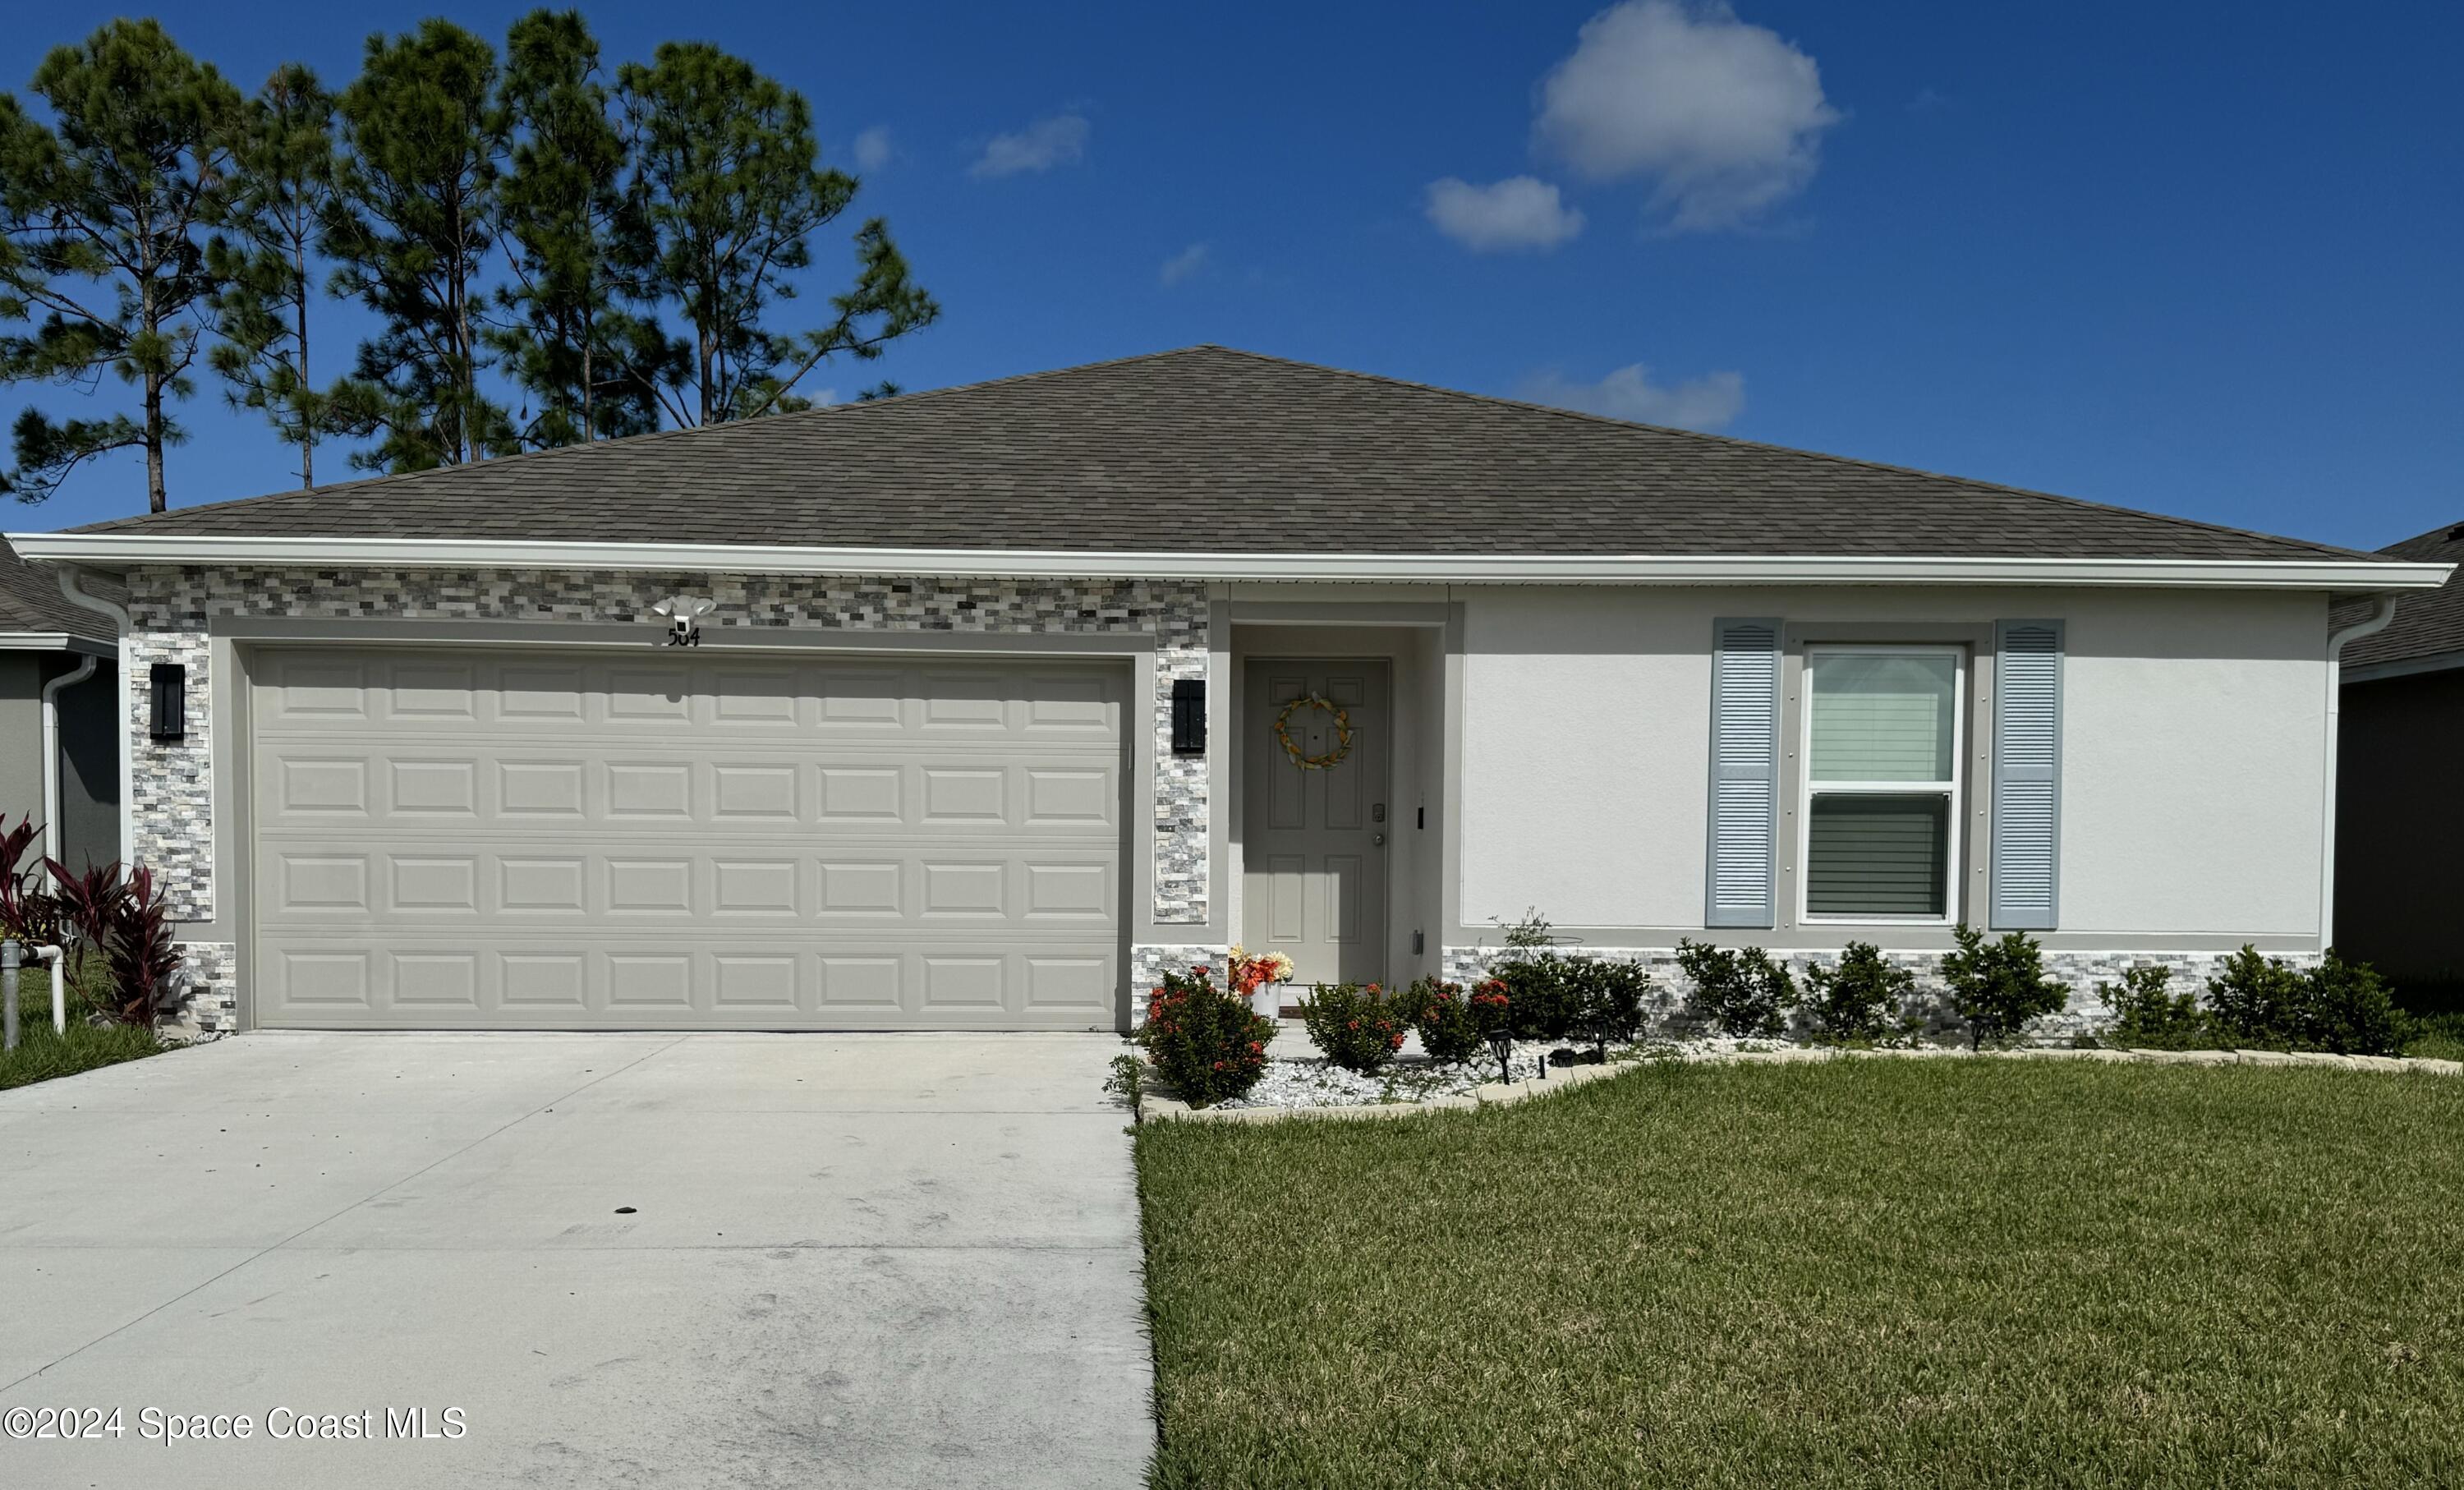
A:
x: 1745, y: 774
x: 2027, y: 775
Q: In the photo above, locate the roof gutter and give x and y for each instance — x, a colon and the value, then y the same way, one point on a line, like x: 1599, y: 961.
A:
x: 125, y: 549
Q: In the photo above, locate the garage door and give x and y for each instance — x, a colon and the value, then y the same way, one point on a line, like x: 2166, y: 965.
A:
x: 522, y: 839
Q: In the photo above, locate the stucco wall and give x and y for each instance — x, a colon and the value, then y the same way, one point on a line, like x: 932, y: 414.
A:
x: 2193, y: 747
x: 21, y: 734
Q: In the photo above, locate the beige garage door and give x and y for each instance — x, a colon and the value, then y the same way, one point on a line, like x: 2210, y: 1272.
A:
x: 522, y: 839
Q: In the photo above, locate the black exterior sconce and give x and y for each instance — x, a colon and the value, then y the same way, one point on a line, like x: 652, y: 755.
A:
x: 1189, y: 716
x: 170, y: 684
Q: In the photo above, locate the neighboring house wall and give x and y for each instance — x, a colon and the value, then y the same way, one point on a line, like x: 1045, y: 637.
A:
x: 21, y: 734
x: 2399, y: 822
x: 2193, y: 753
x: 178, y: 820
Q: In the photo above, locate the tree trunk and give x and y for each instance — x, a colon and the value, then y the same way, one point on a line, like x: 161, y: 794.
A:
x: 307, y: 389
x: 154, y: 493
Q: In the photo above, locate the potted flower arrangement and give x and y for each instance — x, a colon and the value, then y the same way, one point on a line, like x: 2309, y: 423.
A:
x: 1257, y: 978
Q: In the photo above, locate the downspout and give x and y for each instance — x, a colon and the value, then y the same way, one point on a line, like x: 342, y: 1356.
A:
x: 69, y: 574
x: 2382, y: 611
x: 52, y: 772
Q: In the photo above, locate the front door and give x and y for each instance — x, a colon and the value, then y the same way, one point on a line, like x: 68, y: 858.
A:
x: 1313, y: 884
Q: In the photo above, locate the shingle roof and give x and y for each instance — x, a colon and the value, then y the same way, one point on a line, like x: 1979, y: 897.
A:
x: 30, y: 601
x: 1207, y: 449
x: 2427, y: 622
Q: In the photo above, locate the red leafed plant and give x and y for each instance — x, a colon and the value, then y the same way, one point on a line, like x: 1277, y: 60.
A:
x: 127, y: 921
x: 28, y: 912
x: 1205, y: 1042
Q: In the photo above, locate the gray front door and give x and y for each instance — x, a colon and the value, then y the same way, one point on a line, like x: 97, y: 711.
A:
x: 549, y: 839
x: 1313, y: 842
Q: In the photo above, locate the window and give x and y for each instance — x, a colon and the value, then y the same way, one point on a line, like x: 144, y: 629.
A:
x: 1882, y: 788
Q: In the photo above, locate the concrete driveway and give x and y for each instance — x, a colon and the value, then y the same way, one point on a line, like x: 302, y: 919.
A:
x: 625, y: 1260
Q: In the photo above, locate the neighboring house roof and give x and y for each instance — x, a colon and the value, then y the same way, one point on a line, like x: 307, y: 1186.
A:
x: 2427, y: 631
x: 32, y: 604
x: 1210, y: 451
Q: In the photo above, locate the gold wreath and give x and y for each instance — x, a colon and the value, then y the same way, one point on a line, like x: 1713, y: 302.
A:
x: 1342, y: 733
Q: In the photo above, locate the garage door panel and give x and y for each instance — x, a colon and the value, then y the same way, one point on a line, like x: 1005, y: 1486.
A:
x: 491, y: 839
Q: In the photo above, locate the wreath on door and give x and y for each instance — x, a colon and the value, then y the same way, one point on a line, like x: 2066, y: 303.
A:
x: 1292, y: 747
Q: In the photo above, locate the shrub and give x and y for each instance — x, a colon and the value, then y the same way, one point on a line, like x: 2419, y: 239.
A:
x: 1359, y: 1028
x: 1858, y: 1000
x: 2148, y: 1014
x: 2256, y: 1000
x: 1609, y: 998
x: 1204, y: 1042
x: 2347, y: 1008
x: 1743, y: 993
x: 1998, y: 987
x: 1448, y: 1029
x: 1544, y: 996
x: 1492, y: 1008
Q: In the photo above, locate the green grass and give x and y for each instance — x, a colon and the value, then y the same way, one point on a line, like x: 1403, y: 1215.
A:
x: 44, y: 1053
x: 1870, y: 1273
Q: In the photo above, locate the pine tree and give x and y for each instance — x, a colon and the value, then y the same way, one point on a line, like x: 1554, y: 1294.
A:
x: 563, y: 333
x: 103, y: 261
x: 281, y: 190
x: 411, y: 227
x: 725, y: 177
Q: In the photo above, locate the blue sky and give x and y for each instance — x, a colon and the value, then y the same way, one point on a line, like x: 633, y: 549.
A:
x: 2197, y: 258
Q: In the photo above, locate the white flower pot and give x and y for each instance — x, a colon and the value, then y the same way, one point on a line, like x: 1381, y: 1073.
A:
x: 1267, y: 998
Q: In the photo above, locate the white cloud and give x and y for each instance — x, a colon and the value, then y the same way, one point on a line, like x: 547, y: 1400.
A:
x: 1518, y: 213
x: 1183, y: 264
x: 1048, y: 142
x: 872, y: 148
x: 1724, y: 119
x: 1710, y: 401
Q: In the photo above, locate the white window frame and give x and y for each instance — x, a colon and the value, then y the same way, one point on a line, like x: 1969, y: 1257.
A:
x: 1954, y: 791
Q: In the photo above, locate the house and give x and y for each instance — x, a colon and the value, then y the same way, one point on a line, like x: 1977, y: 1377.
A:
x: 976, y: 707
x: 2400, y: 796
x: 59, y: 691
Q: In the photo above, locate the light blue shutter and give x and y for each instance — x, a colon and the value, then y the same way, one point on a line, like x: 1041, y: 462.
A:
x: 1745, y: 774
x: 2027, y: 775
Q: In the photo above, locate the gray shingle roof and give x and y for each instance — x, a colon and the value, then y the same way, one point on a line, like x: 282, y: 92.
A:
x: 2427, y: 622
x: 31, y: 600
x: 1207, y: 449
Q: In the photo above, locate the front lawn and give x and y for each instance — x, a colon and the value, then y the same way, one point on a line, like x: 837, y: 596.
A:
x: 44, y: 1053
x: 1871, y: 1272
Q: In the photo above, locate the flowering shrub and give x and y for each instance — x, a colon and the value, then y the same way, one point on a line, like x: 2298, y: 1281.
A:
x: 1358, y: 1026
x: 1492, y: 1008
x: 1204, y: 1042
x: 1449, y: 1030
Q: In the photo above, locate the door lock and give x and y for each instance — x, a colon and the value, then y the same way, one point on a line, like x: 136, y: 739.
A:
x: 1377, y: 838
x: 1377, y: 813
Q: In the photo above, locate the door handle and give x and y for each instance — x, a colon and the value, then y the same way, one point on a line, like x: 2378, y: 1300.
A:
x: 1377, y: 838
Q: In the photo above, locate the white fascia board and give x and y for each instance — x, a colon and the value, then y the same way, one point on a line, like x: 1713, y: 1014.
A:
x: 121, y: 551
x: 53, y: 641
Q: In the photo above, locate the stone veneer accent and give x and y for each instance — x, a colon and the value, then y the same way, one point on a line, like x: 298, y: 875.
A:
x: 2081, y: 971
x: 172, y: 810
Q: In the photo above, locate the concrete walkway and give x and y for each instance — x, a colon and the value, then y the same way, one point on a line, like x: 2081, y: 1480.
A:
x: 626, y: 1259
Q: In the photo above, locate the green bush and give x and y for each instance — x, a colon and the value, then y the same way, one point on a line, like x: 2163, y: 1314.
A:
x: 1359, y: 1028
x: 2256, y: 1002
x: 2347, y: 1008
x: 1207, y: 1044
x: 1544, y: 994
x: 1443, y: 1017
x: 1609, y: 997
x: 2149, y: 1015
x: 1742, y: 993
x: 1860, y: 1000
x: 1998, y: 987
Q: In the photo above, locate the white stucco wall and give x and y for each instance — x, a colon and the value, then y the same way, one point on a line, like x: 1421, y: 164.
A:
x: 2193, y: 735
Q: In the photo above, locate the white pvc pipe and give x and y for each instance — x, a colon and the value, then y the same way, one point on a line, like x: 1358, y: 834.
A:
x: 123, y: 727
x: 58, y: 961
x: 52, y: 772
x: 2382, y: 611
